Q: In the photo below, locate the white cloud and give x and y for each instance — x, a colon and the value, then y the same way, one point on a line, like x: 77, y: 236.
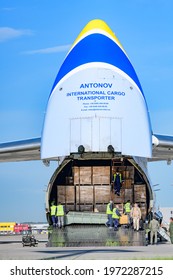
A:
x: 7, y: 33
x: 56, y: 49
x: 8, y: 9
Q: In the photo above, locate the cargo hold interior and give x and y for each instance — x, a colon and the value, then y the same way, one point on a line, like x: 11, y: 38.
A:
x: 85, y: 185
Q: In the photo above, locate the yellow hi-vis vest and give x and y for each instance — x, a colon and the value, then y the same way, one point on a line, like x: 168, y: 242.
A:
x: 108, y: 210
x: 115, y: 175
x: 60, y: 210
x: 127, y: 207
x: 114, y: 215
x: 53, y: 210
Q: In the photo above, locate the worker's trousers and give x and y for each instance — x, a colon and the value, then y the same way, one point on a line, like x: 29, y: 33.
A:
x: 153, y: 235
x: 116, y: 223
x: 109, y: 222
x: 117, y: 187
x: 60, y: 221
x: 136, y: 223
x: 53, y: 220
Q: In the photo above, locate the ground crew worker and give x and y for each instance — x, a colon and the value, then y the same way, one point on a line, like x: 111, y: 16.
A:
x: 116, y: 216
x: 60, y: 215
x: 154, y: 227
x: 127, y: 210
x: 109, y: 211
x: 117, y: 180
x: 150, y: 214
x: 171, y: 229
x: 53, y: 213
x: 136, y: 216
x: 147, y: 231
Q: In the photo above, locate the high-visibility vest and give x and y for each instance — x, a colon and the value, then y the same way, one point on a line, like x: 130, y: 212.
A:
x: 60, y: 210
x: 127, y: 207
x: 114, y: 215
x: 108, y: 210
x: 115, y: 175
x: 53, y: 210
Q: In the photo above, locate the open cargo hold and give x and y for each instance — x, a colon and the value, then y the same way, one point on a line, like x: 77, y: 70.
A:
x: 86, y: 185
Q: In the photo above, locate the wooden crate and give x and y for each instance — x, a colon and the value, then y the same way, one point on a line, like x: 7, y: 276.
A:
x: 84, y: 194
x: 118, y: 199
x: 143, y: 208
x: 61, y: 195
x: 128, y: 183
x: 82, y: 175
x: 70, y: 194
x: 140, y: 193
x: 84, y: 207
x: 131, y: 171
x: 126, y: 174
x: 76, y: 175
x: 65, y: 194
x: 85, y: 175
x: 70, y: 207
x: 101, y: 175
x: 101, y: 207
x: 128, y: 195
x: 102, y: 193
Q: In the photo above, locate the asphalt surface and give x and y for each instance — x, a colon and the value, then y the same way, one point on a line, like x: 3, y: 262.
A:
x: 11, y: 248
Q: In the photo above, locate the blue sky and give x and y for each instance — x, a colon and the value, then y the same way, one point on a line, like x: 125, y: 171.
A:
x: 35, y: 36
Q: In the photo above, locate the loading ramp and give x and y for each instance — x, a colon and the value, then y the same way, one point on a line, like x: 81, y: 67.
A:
x: 88, y: 229
x: 94, y: 235
x: 163, y: 235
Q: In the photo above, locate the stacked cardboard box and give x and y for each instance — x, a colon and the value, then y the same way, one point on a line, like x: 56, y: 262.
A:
x: 124, y: 220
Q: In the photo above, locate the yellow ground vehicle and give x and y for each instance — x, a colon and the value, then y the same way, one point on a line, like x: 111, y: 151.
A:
x: 7, y: 227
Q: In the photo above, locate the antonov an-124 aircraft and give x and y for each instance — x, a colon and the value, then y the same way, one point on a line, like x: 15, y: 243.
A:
x: 96, y: 122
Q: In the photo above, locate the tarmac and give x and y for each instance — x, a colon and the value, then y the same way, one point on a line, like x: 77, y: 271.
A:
x: 11, y: 248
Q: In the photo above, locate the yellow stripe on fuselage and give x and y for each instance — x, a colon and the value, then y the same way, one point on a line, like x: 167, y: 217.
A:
x: 97, y: 24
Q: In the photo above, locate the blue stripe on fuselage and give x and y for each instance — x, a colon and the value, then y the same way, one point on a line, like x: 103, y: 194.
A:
x: 97, y: 48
